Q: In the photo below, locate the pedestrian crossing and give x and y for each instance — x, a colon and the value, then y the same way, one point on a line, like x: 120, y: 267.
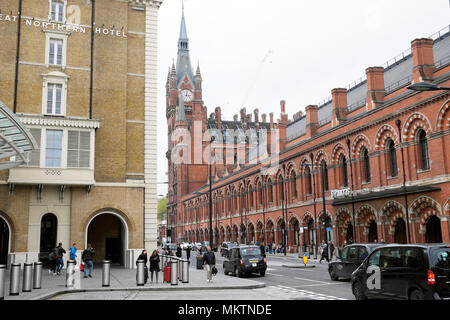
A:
x: 295, y: 294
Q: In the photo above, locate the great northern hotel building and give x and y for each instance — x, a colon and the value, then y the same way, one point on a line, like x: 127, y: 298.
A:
x: 339, y: 169
x: 81, y: 75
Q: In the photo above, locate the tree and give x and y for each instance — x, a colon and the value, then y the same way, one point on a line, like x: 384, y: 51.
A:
x: 162, y: 208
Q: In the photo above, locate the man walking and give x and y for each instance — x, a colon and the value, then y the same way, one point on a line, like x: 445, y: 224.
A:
x: 324, y: 252
x: 188, y: 252
x: 73, y: 253
x: 210, y: 260
x: 87, y: 256
x: 60, y: 261
x: 331, y: 247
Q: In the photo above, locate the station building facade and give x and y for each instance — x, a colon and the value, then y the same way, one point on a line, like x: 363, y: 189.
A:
x: 371, y: 163
x: 81, y: 76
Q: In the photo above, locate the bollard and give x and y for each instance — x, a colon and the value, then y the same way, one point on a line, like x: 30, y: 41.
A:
x: 27, y: 277
x: 163, y: 262
x: 180, y: 270
x: 2, y: 281
x: 185, y: 271
x: 15, y: 279
x: 106, y: 276
x: 70, y: 272
x: 37, y: 275
x: 173, y: 272
x: 140, y: 276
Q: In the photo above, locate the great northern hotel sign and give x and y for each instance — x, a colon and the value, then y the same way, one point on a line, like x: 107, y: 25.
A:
x: 71, y: 27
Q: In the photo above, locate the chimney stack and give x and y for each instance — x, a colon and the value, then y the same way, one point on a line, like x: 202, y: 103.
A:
x: 264, y: 117
x: 375, y: 87
x: 282, y: 124
x: 235, y: 118
x: 256, y: 112
x: 423, y: 59
x: 339, y: 96
x: 312, y: 120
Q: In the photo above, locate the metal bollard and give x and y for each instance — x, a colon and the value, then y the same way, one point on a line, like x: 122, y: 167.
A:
x: 27, y: 277
x: 180, y: 269
x: 70, y: 272
x: 37, y: 275
x: 140, y: 276
x: 173, y: 272
x: 14, y: 280
x: 2, y: 281
x: 106, y: 275
x: 163, y: 262
x: 185, y: 271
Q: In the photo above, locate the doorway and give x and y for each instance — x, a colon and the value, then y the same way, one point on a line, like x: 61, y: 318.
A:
x: 373, y: 233
x: 433, y: 232
x: 4, y: 241
x: 49, y: 232
x: 400, y: 231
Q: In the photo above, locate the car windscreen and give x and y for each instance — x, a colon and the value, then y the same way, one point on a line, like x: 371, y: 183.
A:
x: 232, y: 244
x: 254, y: 251
x: 440, y: 257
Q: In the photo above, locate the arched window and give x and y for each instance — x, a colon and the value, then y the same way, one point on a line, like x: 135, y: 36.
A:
x: 424, y: 156
x: 294, y: 184
x: 260, y: 191
x: 343, y: 165
x: 308, y: 180
x: 280, y: 189
x: 365, y: 164
x: 392, y: 158
x: 270, y: 192
x: 243, y: 206
x: 324, y: 170
x: 250, y: 196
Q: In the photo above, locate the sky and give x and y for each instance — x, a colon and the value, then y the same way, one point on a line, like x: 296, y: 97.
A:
x: 255, y: 53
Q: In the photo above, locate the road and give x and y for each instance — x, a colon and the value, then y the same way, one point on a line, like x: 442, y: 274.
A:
x: 282, y: 283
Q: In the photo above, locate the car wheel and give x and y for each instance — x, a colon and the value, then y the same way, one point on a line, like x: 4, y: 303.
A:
x: 238, y: 273
x: 416, y: 295
x: 333, y: 275
x: 358, y: 291
x: 262, y: 273
x: 225, y: 272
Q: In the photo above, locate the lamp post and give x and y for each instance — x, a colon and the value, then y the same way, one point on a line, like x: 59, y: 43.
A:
x: 210, y: 194
x: 322, y: 167
x: 426, y: 86
x: 351, y: 177
x: 314, y: 203
x: 398, y: 124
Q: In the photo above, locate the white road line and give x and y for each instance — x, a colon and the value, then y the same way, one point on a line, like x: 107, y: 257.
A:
x: 316, y: 285
x: 309, y: 294
x: 312, y: 280
x: 273, y: 274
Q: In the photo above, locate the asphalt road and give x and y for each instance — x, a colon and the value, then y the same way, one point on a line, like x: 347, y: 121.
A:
x: 282, y: 283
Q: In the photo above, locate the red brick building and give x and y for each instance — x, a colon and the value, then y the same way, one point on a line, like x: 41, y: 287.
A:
x: 337, y: 170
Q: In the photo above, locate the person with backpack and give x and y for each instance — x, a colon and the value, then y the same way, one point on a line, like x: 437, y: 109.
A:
x: 188, y: 252
x: 179, y: 252
x: 324, y: 252
x: 86, y: 257
x: 143, y: 256
x: 210, y: 260
x: 60, y: 261
x: 53, y: 258
x: 73, y: 253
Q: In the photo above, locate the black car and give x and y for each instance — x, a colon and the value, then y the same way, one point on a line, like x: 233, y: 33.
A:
x: 225, y: 247
x: 415, y: 272
x: 349, y: 259
x: 245, y: 260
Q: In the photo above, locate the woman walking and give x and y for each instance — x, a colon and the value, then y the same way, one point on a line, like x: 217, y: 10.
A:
x: 154, y: 265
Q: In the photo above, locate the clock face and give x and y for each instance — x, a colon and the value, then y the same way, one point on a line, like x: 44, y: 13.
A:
x: 187, y: 95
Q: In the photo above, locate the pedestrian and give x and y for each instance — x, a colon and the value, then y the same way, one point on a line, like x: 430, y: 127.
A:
x: 270, y: 247
x: 60, y: 261
x: 331, y: 246
x: 143, y: 256
x: 179, y: 252
x: 345, y: 244
x: 188, y: 252
x: 73, y: 253
x: 53, y: 258
x: 210, y: 260
x: 324, y: 252
x: 382, y: 240
x: 86, y: 257
x: 154, y: 265
x: 263, y: 249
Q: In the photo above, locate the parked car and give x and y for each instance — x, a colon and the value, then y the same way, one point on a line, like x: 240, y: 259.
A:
x: 414, y: 271
x: 171, y: 247
x: 351, y: 258
x: 245, y: 260
x: 225, y: 247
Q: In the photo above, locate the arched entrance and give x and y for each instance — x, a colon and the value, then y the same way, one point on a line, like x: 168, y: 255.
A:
x: 4, y: 241
x: 400, y: 231
x: 251, y: 234
x: 107, y: 232
x: 373, y: 233
x: 433, y: 233
x: 349, y: 236
x: 270, y: 231
x: 49, y: 231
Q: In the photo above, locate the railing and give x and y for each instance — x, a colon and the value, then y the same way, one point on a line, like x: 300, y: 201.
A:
x: 396, y: 85
x: 357, y: 105
x: 443, y: 62
x: 324, y: 121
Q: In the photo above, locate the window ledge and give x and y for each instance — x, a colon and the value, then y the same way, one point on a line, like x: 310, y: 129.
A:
x: 392, y: 178
x: 423, y: 171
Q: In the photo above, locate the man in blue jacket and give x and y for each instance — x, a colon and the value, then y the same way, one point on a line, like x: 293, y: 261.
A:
x: 73, y: 253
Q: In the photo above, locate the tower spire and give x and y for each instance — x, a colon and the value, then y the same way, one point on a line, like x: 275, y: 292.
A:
x: 184, y: 61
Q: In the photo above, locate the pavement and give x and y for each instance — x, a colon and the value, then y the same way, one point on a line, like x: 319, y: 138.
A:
x: 125, y: 280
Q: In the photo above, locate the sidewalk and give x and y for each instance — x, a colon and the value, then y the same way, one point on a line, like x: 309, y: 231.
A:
x: 125, y: 279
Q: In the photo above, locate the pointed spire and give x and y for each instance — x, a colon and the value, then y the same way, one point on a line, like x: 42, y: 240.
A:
x: 198, y: 69
x: 181, y: 115
x: 183, y: 32
x: 184, y: 61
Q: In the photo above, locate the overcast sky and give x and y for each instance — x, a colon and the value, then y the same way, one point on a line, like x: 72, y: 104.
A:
x: 254, y: 53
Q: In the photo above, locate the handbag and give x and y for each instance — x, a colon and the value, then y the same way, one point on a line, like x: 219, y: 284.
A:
x: 82, y: 267
x: 214, y: 271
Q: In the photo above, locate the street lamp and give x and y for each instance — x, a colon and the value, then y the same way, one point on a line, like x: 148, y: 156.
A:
x: 398, y: 124
x: 210, y: 194
x: 351, y: 177
x: 426, y: 86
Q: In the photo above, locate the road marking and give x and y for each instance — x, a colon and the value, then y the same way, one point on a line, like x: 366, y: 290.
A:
x: 270, y: 269
x: 312, y: 280
x: 316, y: 285
x: 274, y: 274
x: 308, y: 294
